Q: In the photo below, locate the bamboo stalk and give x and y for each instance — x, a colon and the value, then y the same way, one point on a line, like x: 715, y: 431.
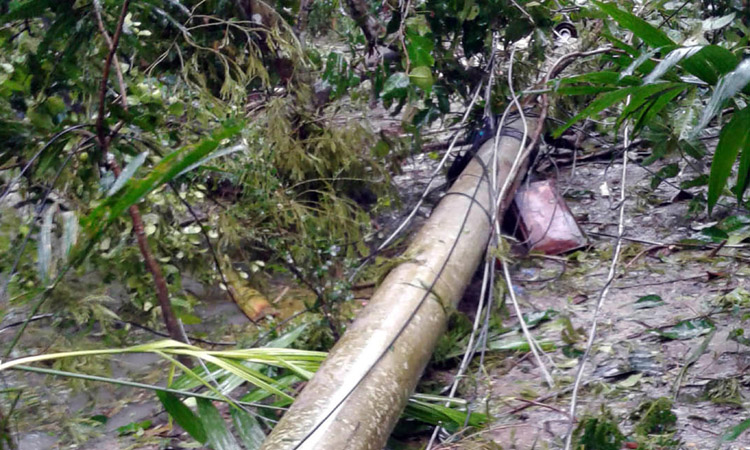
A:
x: 357, y: 395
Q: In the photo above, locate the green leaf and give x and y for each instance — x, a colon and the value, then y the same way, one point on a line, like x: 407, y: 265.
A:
x: 668, y: 171
x: 601, y: 103
x: 177, y: 109
x: 715, y: 233
x: 248, y: 373
x: 738, y: 335
x: 687, y: 329
x: 69, y: 232
x: 183, y: 416
x: 639, y: 61
x: 229, y: 381
x: 734, y: 223
x: 214, y: 155
x: 419, y: 49
x: 133, y: 427
x: 648, y: 301
x: 288, y: 338
x: 656, y: 106
x: 736, y: 431
x: 619, y: 44
x: 710, y: 63
x: 643, y: 96
x: 127, y: 173
x: 742, y: 171
x: 165, y: 171
x: 466, y: 11
x: 55, y: 105
x: 248, y: 428
x: 395, y: 86
x: 670, y: 61
x: 100, y: 418
x: 188, y: 319
x: 726, y: 88
x: 381, y: 149
x: 717, y: 23
x: 282, y: 383
x: 435, y: 414
x: 649, y: 34
x: 584, y: 90
x: 696, y: 149
x: 217, y: 433
x: 735, y: 136
x: 720, y: 58
x: 640, y: 95
x: 25, y: 10
x: 535, y: 318
x: 594, y: 83
x: 603, y: 77
x: 41, y: 119
x: 517, y: 344
x: 422, y: 77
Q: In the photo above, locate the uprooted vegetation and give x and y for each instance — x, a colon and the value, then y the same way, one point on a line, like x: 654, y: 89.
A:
x: 225, y: 174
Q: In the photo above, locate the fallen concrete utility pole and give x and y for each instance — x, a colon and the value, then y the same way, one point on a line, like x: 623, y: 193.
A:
x: 357, y: 395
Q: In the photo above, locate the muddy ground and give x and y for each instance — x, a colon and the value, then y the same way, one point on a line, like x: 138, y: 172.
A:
x: 629, y: 362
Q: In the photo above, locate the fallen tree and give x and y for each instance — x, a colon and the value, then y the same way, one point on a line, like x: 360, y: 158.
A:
x: 356, y: 397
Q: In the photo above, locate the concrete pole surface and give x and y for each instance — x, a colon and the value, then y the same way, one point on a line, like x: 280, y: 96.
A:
x: 336, y: 411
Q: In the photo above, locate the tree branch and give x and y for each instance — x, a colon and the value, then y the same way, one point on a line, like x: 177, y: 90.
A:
x: 160, y: 283
x: 100, y: 128
x: 370, y: 25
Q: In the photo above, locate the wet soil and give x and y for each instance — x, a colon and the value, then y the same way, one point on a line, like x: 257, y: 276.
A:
x: 629, y: 362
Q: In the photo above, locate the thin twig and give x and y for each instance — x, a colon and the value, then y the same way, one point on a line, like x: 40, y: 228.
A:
x: 278, y: 326
x: 402, y: 34
x: 544, y: 405
x: 159, y: 333
x: 500, y: 196
x: 603, y: 293
x: 697, y: 246
x: 209, y: 244
x: 713, y: 252
x: 532, y: 342
x: 641, y: 253
x: 291, y: 264
x: 160, y: 283
x: 36, y: 155
x: 21, y: 322
x: 468, y: 354
x: 694, y: 356
x: 100, y: 128
x: 137, y: 385
x: 425, y: 193
x: 523, y: 11
x: 659, y: 283
x: 118, y: 69
x: 471, y: 346
x: 544, y: 398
